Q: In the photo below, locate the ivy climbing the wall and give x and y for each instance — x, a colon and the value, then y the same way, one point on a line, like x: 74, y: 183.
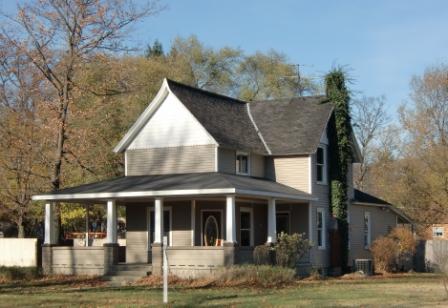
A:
x: 340, y: 154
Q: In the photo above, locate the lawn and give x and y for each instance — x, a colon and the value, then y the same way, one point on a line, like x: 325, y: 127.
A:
x: 415, y: 290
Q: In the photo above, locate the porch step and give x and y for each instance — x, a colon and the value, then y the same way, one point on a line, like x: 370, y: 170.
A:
x: 123, y: 274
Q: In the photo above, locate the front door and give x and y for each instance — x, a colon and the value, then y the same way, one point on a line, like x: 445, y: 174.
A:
x: 211, y: 228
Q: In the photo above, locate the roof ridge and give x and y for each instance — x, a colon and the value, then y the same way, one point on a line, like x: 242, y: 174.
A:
x: 177, y: 83
x: 304, y: 98
x: 260, y: 135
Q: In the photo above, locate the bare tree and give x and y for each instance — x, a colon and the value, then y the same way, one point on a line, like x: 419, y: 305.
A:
x: 58, y: 36
x: 369, y: 118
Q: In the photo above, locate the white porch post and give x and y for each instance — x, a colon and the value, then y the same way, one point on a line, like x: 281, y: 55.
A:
x: 87, y: 225
x: 50, y: 230
x: 193, y: 221
x: 272, y: 223
x: 158, y: 220
x: 230, y: 220
x: 111, y: 237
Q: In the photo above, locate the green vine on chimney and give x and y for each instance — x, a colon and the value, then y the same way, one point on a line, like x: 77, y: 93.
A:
x: 340, y: 154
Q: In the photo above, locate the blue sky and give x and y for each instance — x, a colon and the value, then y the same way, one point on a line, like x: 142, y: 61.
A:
x: 382, y: 43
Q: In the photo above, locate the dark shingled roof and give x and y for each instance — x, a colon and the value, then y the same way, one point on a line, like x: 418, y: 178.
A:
x: 225, y: 118
x: 364, y: 197
x: 211, y: 180
x: 292, y: 126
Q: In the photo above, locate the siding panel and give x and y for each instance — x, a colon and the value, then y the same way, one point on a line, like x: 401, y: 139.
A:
x: 292, y: 171
x: 226, y: 160
x: 175, y: 160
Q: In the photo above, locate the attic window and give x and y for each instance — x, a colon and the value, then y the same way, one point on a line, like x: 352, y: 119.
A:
x: 321, y: 157
x: 242, y: 163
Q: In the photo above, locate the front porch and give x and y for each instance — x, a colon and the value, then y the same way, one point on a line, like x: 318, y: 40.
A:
x: 205, y: 230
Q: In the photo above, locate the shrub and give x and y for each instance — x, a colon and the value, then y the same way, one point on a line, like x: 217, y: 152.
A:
x: 406, y: 246
x: 384, y: 251
x: 290, y: 248
x: 256, y: 276
x: 8, y: 274
x: 263, y: 255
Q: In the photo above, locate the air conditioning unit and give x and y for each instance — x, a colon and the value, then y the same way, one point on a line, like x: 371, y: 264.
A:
x: 363, y: 265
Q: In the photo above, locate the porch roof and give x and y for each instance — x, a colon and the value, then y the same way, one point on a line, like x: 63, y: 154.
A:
x: 189, y: 184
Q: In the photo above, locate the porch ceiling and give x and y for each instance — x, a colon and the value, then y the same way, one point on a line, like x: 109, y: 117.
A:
x: 191, y: 184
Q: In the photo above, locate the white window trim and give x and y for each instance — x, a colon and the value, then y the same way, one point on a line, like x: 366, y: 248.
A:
x: 323, y: 230
x: 148, y: 218
x: 369, y: 230
x: 251, y: 212
x: 222, y: 224
x: 248, y: 163
x: 324, y: 166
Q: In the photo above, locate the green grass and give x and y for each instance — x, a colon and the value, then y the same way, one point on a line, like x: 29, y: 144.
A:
x: 406, y: 291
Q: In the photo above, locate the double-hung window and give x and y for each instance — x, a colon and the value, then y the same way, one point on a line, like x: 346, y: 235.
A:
x: 367, y: 230
x: 242, y: 163
x: 320, y: 223
x: 321, y: 165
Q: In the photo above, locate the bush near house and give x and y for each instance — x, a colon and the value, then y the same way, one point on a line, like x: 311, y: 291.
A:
x: 288, y: 250
x: 394, y: 252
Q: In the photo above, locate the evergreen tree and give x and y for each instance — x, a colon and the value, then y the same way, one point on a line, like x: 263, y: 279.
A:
x: 156, y: 50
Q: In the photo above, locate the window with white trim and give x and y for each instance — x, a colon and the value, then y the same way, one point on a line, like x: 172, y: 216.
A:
x: 320, y: 223
x: 321, y: 165
x: 246, y: 227
x: 242, y: 163
x: 367, y: 230
x: 438, y: 232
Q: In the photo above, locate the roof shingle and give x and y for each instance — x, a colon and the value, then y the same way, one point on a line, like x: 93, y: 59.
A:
x: 225, y: 118
x: 292, y: 126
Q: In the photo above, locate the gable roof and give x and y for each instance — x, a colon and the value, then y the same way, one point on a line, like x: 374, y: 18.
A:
x: 363, y: 198
x: 225, y: 118
x: 292, y: 126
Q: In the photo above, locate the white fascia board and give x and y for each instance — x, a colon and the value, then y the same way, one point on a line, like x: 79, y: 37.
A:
x: 143, y: 118
x: 282, y: 196
x: 136, y: 194
x: 171, y: 193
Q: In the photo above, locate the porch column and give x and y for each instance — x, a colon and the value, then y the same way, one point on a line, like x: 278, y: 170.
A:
x: 111, y: 237
x: 158, y: 220
x: 272, y: 223
x: 230, y: 220
x: 51, y: 236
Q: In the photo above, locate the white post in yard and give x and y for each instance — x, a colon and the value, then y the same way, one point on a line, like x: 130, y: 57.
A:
x: 158, y: 220
x: 272, y: 224
x: 230, y: 220
x: 165, y: 270
x: 50, y: 234
x: 111, y: 237
x: 87, y: 225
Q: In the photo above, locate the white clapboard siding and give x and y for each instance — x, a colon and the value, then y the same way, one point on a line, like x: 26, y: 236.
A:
x: 172, y: 125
